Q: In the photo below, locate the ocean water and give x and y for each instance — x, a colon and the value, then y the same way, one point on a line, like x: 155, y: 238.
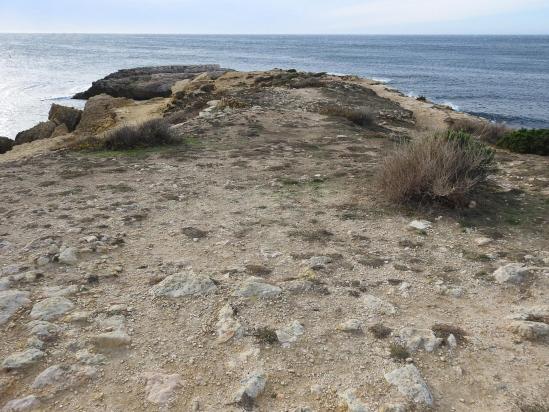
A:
x: 503, y: 78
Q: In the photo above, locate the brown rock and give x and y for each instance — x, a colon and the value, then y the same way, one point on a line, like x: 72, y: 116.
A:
x: 42, y: 130
x: 63, y: 115
x: 5, y: 144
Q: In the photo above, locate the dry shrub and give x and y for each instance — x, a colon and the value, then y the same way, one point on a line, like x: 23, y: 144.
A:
x: 359, y: 116
x: 231, y: 103
x: 305, y: 83
x: 484, y: 130
x: 440, y: 168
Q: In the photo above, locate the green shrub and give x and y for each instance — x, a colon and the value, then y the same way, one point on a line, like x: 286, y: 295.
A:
x: 532, y: 141
x: 441, y: 168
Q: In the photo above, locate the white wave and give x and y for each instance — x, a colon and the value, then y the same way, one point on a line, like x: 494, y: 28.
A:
x: 382, y: 80
x: 452, y: 105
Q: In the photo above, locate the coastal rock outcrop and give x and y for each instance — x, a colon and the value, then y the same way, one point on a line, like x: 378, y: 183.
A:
x: 63, y: 115
x: 5, y: 144
x: 147, y: 82
x: 42, y: 130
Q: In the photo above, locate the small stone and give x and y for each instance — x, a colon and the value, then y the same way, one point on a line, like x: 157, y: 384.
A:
x: 111, y: 340
x: 51, y: 308
x: 28, y: 403
x: 227, y: 325
x: 184, y: 284
x: 379, y: 306
x: 289, y: 334
x: 21, y: 360
x: 256, y: 287
x: 483, y: 241
x: 420, y: 225
x: 319, y: 262
x: 10, y: 302
x: 160, y: 387
x: 351, y: 403
x: 251, y: 388
x: 511, y: 273
x: 69, y: 256
x: 410, y: 383
x: 415, y: 339
x: 351, y: 325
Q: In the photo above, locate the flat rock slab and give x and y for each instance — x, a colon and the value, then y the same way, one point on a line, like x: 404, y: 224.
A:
x: 257, y: 287
x: 410, y: 383
x: 184, y: 284
x: 147, y: 82
x: 51, y: 308
x: 10, y: 302
x: 21, y: 360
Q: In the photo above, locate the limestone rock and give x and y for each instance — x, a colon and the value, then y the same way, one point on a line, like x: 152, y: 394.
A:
x: 161, y: 387
x: 111, y: 340
x: 257, y: 287
x: 227, y: 325
x: 511, y: 273
x: 28, y: 403
x: 147, y: 82
x: 415, y: 339
x: 420, y: 225
x: 21, y: 360
x: 43, y: 330
x: 379, y: 306
x: 42, y: 130
x: 184, y: 284
x: 69, y: 256
x: 251, y: 387
x: 319, y: 262
x: 63, y: 115
x: 10, y: 302
x: 410, y: 383
x: 290, y: 333
x: 51, y: 308
x: 351, y: 403
x: 5, y: 144
x: 351, y: 325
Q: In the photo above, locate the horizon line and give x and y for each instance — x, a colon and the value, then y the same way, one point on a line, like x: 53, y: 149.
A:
x: 285, y: 34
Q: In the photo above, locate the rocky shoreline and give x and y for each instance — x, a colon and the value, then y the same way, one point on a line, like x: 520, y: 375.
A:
x: 254, y: 266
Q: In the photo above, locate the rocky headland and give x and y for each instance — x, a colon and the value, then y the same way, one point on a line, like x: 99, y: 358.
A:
x: 256, y: 265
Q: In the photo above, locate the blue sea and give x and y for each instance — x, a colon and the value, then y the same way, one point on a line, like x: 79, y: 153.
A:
x: 503, y: 78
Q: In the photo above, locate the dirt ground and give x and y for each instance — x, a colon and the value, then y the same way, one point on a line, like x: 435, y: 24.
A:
x: 258, y: 191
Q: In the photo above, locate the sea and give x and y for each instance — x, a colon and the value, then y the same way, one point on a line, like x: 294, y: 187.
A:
x: 503, y: 78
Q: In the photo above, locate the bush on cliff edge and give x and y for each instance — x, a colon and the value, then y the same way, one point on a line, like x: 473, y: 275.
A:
x: 532, y: 141
x: 441, y: 168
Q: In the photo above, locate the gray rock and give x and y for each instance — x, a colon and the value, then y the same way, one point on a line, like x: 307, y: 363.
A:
x: 10, y: 302
x: 351, y: 403
x: 415, y: 339
x: 251, y: 387
x: 228, y: 326
x: 5, y: 144
x: 184, y: 284
x: 511, y: 273
x: 290, y: 333
x: 161, y: 387
x: 410, y: 383
x: 87, y: 358
x: 28, y: 403
x: 63, y: 115
x: 530, y: 330
x: 420, y: 225
x: 319, y: 262
x: 111, y: 340
x: 379, y: 306
x: 69, y: 256
x: 147, y: 82
x: 43, y: 330
x: 51, y: 308
x: 393, y: 407
x: 351, y: 325
x: 257, y: 287
x: 60, y: 377
x: 21, y: 360
x: 42, y: 130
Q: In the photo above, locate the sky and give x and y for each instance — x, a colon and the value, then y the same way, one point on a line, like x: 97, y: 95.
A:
x: 276, y: 16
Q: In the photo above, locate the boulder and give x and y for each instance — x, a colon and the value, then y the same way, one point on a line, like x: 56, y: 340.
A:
x: 62, y: 115
x: 147, y: 82
x: 5, y: 144
x: 42, y: 130
x: 184, y: 284
x: 410, y: 383
x: 10, y: 302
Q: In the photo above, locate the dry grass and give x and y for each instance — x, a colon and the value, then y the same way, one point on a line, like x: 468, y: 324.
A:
x: 485, y: 131
x: 440, y: 168
x: 359, y: 116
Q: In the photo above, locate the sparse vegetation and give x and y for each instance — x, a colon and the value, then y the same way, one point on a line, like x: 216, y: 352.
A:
x: 380, y: 331
x: 487, y: 132
x: 440, y: 168
x: 266, y: 335
x: 398, y: 352
x: 307, y: 82
x: 531, y: 141
x: 442, y: 331
x: 359, y: 116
